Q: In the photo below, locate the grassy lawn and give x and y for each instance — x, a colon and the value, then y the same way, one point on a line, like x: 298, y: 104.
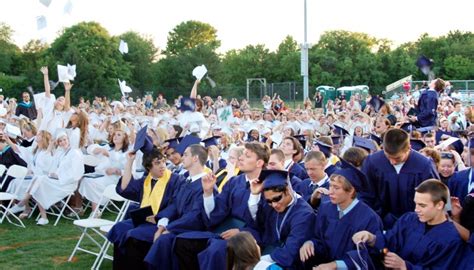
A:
x: 45, y: 247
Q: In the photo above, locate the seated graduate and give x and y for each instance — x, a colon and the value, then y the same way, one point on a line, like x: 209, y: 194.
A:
x: 277, y: 162
x: 8, y: 155
x: 324, y: 144
x: 284, y: 218
x: 174, y: 163
x: 424, y: 239
x: 393, y: 173
x: 462, y: 183
x: 291, y: 147
x: 224, y: 214
x: 155, y: 189
x: 231, y: 169
x: 215, y: 162
x: 183, y: 214
x: 313, y: 188
x: 331, y: 246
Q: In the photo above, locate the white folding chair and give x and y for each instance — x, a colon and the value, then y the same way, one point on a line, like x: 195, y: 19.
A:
x: 94, y: 225
x: 18, y: 172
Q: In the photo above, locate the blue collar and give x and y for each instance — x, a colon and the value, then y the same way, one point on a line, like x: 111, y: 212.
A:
x: 5, y: 149
x: 349, y: 208
x: 27, y: 105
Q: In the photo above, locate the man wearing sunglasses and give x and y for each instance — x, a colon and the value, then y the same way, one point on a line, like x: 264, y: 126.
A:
x: 285, y: 219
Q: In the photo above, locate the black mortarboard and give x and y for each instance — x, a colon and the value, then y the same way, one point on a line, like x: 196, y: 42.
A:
x: 417, y: 145
x: 376, y: 103
x: 210, y: 141
x: 173, y: 143
x: 143, y: 142
x: 187, y: 104
x: 376, y: 138
x: 408, y: 127
x: 424, y: 64
x: 365, y: 143
x: 273, y: 178
x: 325, y: 148
x: 340, y: 130
x: 336, y: 139
x: 185, y: 142
x: 352, y: 174
x: 301, y: 139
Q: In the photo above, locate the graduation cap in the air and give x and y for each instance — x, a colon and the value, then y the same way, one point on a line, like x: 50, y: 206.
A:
x: 173, y: 143
x: 301, y: 139
x: 417, y: 145
x: 365, y: 143
x: 273, y: 178
x: 187, y: 104
x: 143, y: 142
x: 325, y: 148
x: 424, y: 64
x: 378, y: 140
x: 352, y: 174
x: 185, y: 142
x: 123, y: 47
x: 340, y: 130
x: 210, y: 141
x: 376, y: 103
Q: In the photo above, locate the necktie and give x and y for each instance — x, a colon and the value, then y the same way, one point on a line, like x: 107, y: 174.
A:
x: 314, y: 187
x: 341, y: 214
x: 188, y: 180
x: 153, y: 183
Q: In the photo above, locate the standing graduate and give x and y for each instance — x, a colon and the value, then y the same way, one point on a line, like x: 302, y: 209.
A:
x: 224, y: 215
x: 183, y: 214
x: 284, y: 218
x: 424, y: 239
x: 155, y: 189
x: 428, y: 105
x: 331, y: 245
x: 314, y: 188
x: 393, y: 174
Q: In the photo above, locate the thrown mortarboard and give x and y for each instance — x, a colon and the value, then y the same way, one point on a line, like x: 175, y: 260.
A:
x: 66, y: 73
x: 417, y: 145
x: 325, y: 148
x: 357, y: 178
x: 124, y: 88
x: 185, y: 142
x: 173, y: 143
x: 46, y: 3
x: 123, y: 47
x: 376, y: 103
x: 336, y: 139
x: 143, y: 142
x: 340, y: 130
x: 187, y: 104
x: 301, y: 139
x: 443, y: 134
x: 424, y: 64
x: 199, y: 72
x: 41, y: 22
x: 273, y: 178
x: 210, y: 141
x: 365, y: 143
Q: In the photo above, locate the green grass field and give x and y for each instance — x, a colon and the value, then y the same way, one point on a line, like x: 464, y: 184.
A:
x: 44, y: 247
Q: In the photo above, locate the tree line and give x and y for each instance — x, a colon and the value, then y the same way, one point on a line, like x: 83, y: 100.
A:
x: 339, y: 58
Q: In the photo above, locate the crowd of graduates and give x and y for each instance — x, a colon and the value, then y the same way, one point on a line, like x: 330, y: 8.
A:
x: 357, y: 184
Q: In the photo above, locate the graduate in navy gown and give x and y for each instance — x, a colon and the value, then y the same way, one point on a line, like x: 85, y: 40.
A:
x: 393, y: 174
x: 325, y: 147
x: 224, y: 215
x: 428, y: 105
x: 277, y: 162
x: 154, y: 189
x: 291, y: 147
x: 331, y: 245
x: 462, y: 183
x: 284, y: 218
x: 314, y: 188
x: 183, y: 213
x: 424, y: 239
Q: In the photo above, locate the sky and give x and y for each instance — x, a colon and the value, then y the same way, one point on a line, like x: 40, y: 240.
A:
x: 243, y: 22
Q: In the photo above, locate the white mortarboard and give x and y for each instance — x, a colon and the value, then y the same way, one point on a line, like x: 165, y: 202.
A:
x: 46, y: 3
x: 68, y: 7
x: 41, y: 22
x: 199, y: 72
x: 212, y: 83
x: 124, y: 88
x: 3, y: 111
x: 60, y: 132
x: 447, y: 142
x: 66, y: 73
x: 114, y: 119
x: 12, y: 131
x: 277, y: 138
x: 40, y: 99
x: 123, y: 47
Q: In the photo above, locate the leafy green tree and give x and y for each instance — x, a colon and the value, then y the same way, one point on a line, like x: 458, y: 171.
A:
x: 458, y: 67
x: 9, y: 52
x: 190, y: 34
x: 32, y: 58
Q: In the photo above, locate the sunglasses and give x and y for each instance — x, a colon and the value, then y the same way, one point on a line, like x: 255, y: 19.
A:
x: 275, y: 199
x: 447, y: 156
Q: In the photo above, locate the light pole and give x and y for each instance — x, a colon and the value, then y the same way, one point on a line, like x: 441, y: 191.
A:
x: 305, y: 58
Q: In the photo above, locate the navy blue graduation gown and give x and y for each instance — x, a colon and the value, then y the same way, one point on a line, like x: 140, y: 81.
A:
x: 296, y: 229
x: 184, y: 214
x: 298, y: 171
x: 427, y: 108
x: 391, y: 194
x: 333, y: 236
x: 330, y: 170
x: 121, y: 231
x: 459, y: 182
x: 439, y: 248
x: 222, y: 164
x: 305, y: 190
x: 8, y: 157
x: 467, y: 260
